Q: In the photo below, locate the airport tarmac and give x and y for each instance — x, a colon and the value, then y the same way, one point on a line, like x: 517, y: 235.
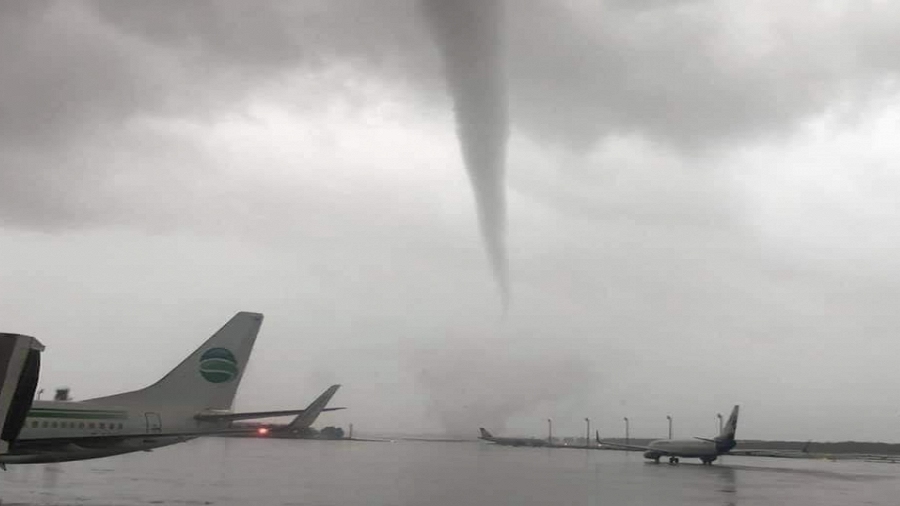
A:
x: 224, y: 471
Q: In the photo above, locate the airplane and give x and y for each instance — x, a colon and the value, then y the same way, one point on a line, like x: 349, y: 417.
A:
x: 707, y: 450
x: 190, y: 401
x: 510, y: 441
x: 299, y: 427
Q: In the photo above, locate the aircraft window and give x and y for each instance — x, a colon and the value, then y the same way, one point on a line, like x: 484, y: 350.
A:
x: 120, y: 426
x: 45, y: 424
x: 91, y: 425
x: 80, y: 425
x: 102, y: 425
x: 34, y: 424
x: 54, y: 425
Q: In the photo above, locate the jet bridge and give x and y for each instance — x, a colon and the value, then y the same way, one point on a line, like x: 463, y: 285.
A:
x: 20, y: 364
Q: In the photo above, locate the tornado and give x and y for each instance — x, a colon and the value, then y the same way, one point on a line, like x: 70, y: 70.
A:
x: 469, y: 34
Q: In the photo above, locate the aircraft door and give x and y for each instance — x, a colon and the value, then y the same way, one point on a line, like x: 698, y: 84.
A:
x: 154, y: 422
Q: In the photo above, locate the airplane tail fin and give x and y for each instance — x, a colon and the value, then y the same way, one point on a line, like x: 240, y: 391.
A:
x: 305, y: 420
x: 484, y: 433
x: 730, y: 426
x: 207, y: 379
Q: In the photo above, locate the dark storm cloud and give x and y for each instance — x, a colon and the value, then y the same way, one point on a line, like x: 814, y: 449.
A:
x: 684, y: 75
x: 691, y: 75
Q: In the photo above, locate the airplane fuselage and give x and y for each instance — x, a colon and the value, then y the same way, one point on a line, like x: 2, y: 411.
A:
x: 689, y: 448
x: 92, y: 428
x: 510, y: 441
x: 61, y: 419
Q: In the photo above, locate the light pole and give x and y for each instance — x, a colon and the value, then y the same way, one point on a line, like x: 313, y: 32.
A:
x: 669, y: 418
x: 550, y: 431
x: 719, y: 416
x: 626, y: 431
x: 587, y: 439
x: 39, y: 393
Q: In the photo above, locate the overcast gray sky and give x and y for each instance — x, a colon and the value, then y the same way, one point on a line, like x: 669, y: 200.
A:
x: 701, y: 210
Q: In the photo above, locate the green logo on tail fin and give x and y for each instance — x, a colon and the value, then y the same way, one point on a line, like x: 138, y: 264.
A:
x: 218, y: 365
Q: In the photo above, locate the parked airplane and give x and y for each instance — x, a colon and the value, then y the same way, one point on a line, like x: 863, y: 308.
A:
x: 511, y: 441
x: 190, y: 401
x: 707, y: 450
x: 299, y: 427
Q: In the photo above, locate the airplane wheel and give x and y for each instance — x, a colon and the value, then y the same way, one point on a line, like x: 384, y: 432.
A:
x: 673, y: 460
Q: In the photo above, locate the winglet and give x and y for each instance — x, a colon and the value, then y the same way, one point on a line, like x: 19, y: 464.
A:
x: 305, y: 420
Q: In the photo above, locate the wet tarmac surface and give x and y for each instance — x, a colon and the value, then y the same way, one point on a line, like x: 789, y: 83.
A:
x: 226, y: 471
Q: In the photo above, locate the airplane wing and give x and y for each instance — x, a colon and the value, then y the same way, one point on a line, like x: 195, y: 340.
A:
x: 756, y: 453
x: 304, y: 420
x: 304, y: 417
x: 636, y: 448
x: 227, y: 417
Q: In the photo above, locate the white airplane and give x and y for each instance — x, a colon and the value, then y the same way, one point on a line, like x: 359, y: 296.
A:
x: 707, y: 450
x: 511, y: 441
x: 190, y: 401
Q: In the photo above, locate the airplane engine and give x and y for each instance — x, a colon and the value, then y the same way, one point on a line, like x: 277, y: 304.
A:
x: 651, y: 455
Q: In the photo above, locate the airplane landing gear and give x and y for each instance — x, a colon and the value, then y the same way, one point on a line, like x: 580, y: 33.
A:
x: 673, y: 460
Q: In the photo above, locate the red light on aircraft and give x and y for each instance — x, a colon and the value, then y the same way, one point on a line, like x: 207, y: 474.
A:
x: 262, y: 431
